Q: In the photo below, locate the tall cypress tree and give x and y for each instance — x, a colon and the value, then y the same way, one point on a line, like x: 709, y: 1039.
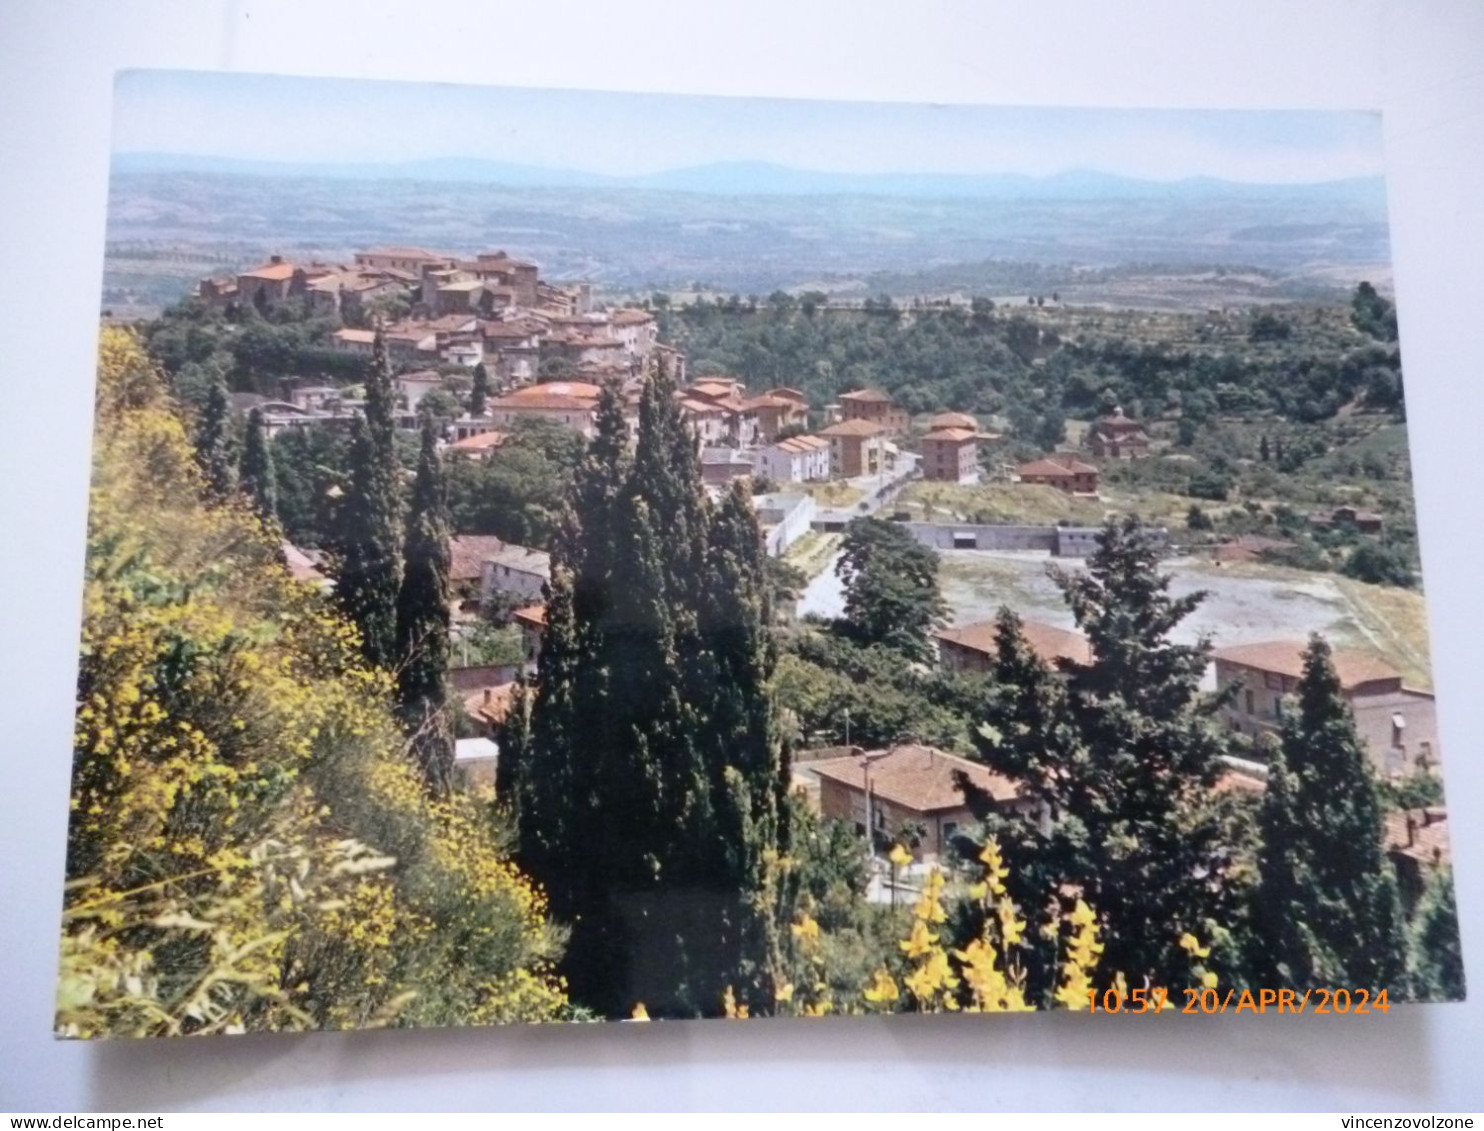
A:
x: 1121, y: 754
x: 255, y: 477
x: 213, y: 442
x: 650, y: 779
x: 1328, y: 912
x: 423, y: 619
x: 1435, y: 952
x: 479, y: 390
x: 369, y: 573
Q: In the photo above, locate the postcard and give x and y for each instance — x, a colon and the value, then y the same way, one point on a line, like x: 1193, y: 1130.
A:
x: 562, y: 556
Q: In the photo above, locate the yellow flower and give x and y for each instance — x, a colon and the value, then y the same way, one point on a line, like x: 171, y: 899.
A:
x: 883, y: 988
x: 1193, y: 947
x: 899, y: 856
x: 806, y: 930
x: 920, y: 942
x: 784, y: 993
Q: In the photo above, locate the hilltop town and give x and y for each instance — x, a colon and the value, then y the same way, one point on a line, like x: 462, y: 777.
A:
x: 496, y: 351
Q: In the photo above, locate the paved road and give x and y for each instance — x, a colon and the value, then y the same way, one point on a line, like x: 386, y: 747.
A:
x: 879, y: 490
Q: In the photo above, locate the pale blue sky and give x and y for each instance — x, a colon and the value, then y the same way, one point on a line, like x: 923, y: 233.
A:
x: 275, y: 118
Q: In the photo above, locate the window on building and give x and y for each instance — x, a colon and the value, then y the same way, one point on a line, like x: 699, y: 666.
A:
x: 1251, y: 707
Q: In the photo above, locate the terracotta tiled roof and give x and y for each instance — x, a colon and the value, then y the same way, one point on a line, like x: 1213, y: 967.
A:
x: 583, y: 390
x: 866, y: 396
x: 1055, y: 469
x: 492, y: 703
x: 532, y: 616
x: 1286, y: 657
x: 274, y: 271
x: 1421, y: 834
x: 631, y: 317
x: 953, y: 420
x: 853, y: 428
x: 480, y: 443
x: 789, y: 395
x: 951, y: 435
x: 1047, y: 641
x: 540, y: 401
x: 919, y: 778
x: 767, y: 401
x: 467, y: 554
x: 803, y: 444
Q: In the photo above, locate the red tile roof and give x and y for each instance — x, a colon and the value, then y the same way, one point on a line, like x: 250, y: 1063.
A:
x: 630, y: 317
x: 951, y: 435
x: 919, y: 778
x: 1055, y: 469
x: 861, y: 428
x: 866, y: 396
x: 1047, y: 641
x: 467, y: 554
x: 953, y: 420
x: 1286, y: 657
x: 1421, y: 834
x: 480, y: 443
x: 803, y: 444
x: 274, y: 271
x: 532, y: 616
x: 582, y: 390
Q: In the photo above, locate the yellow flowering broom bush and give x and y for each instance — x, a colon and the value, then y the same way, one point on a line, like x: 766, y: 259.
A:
x: 250, y: 846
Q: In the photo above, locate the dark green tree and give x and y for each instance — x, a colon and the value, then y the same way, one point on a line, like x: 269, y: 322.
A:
x: 891, y: 588
x: 1435, y: 952
x: 1262, y: 448
x: 1119, y: 756
x: 1379, y: 564
x: 369, y: 568
x: 256, y: 475
x: 423, y: 620
x: 214, y: 442
x: 1328, y: 911
x: 648, y: 778
x: 479, y: 391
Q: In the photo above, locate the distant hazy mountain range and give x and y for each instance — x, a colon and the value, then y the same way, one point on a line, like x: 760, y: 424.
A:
x: 758, y: 178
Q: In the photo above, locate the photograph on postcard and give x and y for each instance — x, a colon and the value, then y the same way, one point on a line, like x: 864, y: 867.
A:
x: 565, y: 556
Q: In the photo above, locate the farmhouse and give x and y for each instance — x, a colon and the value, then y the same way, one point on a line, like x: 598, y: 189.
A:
x: 1115, y: 436
x: 1397, y: 724
x: 974, y: 647
x: 885, y: 790
x: 1064, y: 472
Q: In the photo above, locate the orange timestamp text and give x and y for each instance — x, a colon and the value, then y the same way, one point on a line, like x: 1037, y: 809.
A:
x: 1233, y: 1000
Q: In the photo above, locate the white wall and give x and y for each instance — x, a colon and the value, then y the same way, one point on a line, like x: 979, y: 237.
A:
x: 1418, y: 60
